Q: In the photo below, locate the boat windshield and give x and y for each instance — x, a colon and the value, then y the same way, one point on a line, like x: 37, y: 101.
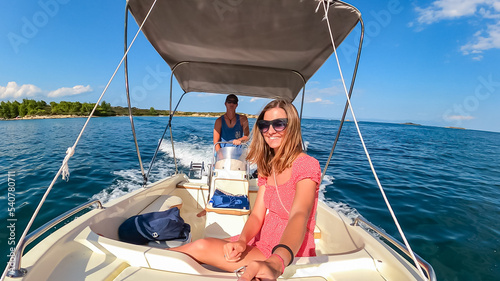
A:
x: 231, y: 158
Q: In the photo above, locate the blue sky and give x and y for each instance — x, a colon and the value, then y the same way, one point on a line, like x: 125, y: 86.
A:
x: 428, y: 62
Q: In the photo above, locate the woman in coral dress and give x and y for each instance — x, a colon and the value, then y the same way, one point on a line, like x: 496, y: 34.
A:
x: 282, y: 221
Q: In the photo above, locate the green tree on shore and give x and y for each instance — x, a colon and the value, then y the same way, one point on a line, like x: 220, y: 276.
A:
x: 30, y: 107
x: 86, y: 108
x: 152, y: 111
x: 75, y: 108
x: 104, y: 110
x: 5, y: 110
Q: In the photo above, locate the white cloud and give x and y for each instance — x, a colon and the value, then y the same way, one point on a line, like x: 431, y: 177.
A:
x: 315, y: 100
x: 254, y: 99
x: 76, y: 90
x: 486, y: 12
x: 203, y: 95
x: 323, y: 95
x: 489, y: 39
x: 450, y: 9
x: 15, y: 91
x: 334, y: 90
x: 319, y: 100
x: 459, y: 117
x: 12, y: 90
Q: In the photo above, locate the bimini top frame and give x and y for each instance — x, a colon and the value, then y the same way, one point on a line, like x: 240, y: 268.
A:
x: 257, y: 48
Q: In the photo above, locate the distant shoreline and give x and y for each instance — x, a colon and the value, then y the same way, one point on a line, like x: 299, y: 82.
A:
x: 64, y: 116
x: 45, y: 117
x: 411, y: 124
x: 31, y: 109
x: 212, y: 114
x: 448, y: 127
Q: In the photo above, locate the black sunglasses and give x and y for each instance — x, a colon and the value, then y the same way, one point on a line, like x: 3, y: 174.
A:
x: 278, y: 124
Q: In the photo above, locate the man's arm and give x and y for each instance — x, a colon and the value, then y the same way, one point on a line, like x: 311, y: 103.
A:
x: 246, y: 129
x: 217, y: 132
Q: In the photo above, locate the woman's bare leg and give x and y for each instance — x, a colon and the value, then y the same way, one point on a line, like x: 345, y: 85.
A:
x: 210, y: 251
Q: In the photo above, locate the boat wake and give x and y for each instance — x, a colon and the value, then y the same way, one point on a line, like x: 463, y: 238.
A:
x: 129, y: 180
x: 188, y: 151
x: 340, y: 207
x: 185, y: 152
x: 164, y: 166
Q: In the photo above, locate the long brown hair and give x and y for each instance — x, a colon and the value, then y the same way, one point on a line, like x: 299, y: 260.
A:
x: 291, y: 145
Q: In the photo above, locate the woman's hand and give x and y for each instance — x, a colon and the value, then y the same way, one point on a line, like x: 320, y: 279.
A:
x: 269, y: 269
x: 236, y: 141
x: 233, y: 250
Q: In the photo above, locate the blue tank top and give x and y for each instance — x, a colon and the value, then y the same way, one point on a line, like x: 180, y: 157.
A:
x: 229, y: 134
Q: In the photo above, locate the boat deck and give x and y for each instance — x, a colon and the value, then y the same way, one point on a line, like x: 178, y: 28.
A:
x: 91, y: 250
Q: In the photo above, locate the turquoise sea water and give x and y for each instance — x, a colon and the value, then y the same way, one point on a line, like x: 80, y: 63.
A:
x: 443, y: 184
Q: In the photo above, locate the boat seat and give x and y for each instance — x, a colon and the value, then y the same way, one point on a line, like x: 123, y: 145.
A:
x: 231, y: 186
x: 163, y: 203
x: 226, y: 222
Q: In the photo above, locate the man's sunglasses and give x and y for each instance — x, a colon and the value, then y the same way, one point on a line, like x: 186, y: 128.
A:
x: 278, y: 124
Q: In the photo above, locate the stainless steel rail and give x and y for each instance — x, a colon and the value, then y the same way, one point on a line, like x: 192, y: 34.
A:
x: 15, y: 264
x: 429, y: 271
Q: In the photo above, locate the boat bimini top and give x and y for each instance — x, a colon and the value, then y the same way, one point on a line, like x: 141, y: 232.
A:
x: 257, y: 48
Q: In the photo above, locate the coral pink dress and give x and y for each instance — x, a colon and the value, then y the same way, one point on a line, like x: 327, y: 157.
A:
x: 304, y: 167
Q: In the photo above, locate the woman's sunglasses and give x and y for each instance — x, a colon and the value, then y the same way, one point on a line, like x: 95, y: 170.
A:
x: 278, y: 124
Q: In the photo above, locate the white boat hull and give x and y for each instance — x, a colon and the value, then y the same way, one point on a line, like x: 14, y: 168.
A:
x: 88, y: 248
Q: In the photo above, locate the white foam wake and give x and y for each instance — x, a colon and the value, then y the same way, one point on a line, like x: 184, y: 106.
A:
x: 343, y: 208
x: 327, y: 180
x: 130, y: 180
x: 185, y: 152
x: 188, y: 151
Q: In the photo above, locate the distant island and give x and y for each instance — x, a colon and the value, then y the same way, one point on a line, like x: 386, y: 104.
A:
x: 414, y: 124
x: 31, y: 109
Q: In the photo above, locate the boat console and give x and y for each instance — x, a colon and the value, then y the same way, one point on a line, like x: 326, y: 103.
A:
x: 228, y: 193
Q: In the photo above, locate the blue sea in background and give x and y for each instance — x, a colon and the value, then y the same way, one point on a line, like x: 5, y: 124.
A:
x: 443, y: 184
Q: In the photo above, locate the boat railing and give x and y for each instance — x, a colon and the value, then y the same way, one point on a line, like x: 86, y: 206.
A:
x: 196, y: 169
x: 429, y: 271
x: 15, y: 263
